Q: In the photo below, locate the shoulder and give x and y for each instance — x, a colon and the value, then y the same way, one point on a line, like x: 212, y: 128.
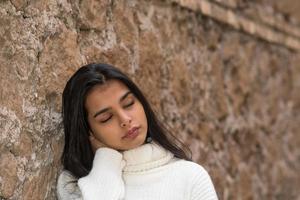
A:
x: 67, y: 187
x: 200, y: 181
x: 190, y: 167
x: 193, y: 172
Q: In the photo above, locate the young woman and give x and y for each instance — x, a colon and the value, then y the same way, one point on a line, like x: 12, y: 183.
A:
x: 115, y: 147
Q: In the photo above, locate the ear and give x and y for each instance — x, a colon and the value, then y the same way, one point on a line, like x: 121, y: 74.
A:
x: 91, y: 133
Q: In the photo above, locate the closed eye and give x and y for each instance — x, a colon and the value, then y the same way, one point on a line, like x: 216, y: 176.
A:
x: 130, y: 104
x: 103, y: 121
x: 126, y: 106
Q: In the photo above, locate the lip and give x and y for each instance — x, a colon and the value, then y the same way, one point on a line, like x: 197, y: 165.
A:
x: 132, y: 132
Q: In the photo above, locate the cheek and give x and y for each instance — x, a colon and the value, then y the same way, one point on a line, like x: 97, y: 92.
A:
x: 99, y: 129
x: 141, y: 114
x: 112, y: 127
x: 108, y: 131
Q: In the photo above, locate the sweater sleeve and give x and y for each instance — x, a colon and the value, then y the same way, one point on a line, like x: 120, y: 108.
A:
x: 202, y: 186
x: 67, y: 188
x: 103, y: 182
x: 105, y: 179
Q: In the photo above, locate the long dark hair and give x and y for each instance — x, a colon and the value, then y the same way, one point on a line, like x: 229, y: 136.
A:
x: 78, y: 155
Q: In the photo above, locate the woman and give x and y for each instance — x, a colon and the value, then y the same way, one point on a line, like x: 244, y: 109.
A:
x: 115, y: 148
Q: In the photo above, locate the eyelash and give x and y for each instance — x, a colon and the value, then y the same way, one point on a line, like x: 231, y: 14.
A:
x: 126, y: 106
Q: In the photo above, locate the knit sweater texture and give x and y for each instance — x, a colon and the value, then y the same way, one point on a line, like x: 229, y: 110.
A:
x: 148, y: 172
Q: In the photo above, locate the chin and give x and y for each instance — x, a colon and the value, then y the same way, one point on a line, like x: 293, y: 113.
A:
x: 140, y: 140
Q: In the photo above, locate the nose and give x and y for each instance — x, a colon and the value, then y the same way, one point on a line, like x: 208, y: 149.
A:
x: 125, y: 120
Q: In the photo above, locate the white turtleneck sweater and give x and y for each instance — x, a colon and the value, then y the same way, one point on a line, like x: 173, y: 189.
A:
x: 148, y: 172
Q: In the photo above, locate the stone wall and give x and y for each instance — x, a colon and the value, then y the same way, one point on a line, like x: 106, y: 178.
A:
x: 226, y: 78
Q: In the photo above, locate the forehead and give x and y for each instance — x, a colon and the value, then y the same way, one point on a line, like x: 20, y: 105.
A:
x: 105, y: 94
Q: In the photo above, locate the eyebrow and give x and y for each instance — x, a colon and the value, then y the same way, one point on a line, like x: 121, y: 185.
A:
x: 106, y: 109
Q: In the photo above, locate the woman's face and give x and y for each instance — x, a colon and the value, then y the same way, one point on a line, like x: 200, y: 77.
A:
x: 116, y: 117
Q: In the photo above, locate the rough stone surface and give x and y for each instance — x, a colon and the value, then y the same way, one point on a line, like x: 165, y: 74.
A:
x: 8, y: 174
x: 233, y: 98
x: 289, y: 8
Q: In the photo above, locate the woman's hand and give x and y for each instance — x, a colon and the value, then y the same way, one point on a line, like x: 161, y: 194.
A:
x: 96, y: 144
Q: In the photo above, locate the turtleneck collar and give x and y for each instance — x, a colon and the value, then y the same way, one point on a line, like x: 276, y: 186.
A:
x: 146, y: 157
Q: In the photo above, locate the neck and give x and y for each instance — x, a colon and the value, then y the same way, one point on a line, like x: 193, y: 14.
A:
x: 146, y: 157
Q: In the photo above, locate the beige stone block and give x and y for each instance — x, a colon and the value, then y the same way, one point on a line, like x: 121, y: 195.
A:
x: 36, y: 186
x: 244, y: 182
x: 180, y: 83
x: 125, y: 28
x: 228, y: 3
x: 118, y: 56
x: 24, y: 146
x: 269, y: 19
x: 294, y: 30
x: 277, y: 37
x: 93, y: 14
x: 58, y: 60
x: 247, y: 25
x: 150, y: 63
x: 19, y: 4
x: 288, y: 7
x: 10, y: 125
x: 8, y: 174
x: 191, y: 4
x: 293, y: 43
x: 219, y: 13
x: 220, y: 107
x: 205, y: 7
x: 124, y: 25
x: 229, y: 47
x: 232, y: 19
